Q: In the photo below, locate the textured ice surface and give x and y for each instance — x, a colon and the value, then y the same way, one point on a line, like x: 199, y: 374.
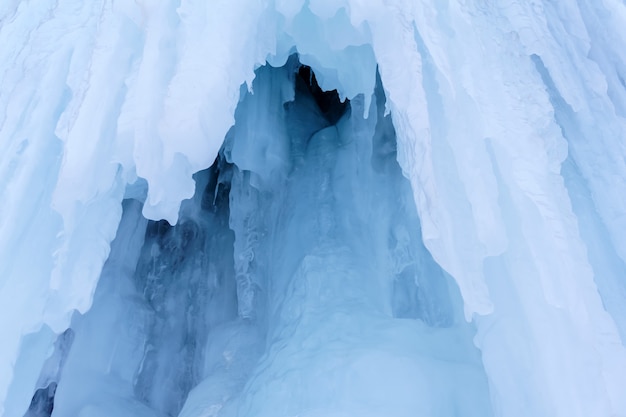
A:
x: 508, y: 120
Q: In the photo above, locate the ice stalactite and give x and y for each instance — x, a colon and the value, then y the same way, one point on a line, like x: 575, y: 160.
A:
x: 139, y: 350
x: 501, y: 125
x: 297, y: 264
x: 347, y: 270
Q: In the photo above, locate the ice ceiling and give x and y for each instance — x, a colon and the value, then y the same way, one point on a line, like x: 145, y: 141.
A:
x: 389, y: 208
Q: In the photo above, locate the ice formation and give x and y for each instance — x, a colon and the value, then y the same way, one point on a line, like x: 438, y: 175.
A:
x: 284, y: 208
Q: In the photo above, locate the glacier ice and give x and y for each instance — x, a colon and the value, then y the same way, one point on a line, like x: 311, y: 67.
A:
x: 312, y: 208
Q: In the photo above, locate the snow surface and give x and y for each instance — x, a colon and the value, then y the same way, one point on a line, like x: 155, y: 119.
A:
x: 318, y: 274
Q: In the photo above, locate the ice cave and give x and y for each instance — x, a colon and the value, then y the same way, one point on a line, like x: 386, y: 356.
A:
x: 312, y: 208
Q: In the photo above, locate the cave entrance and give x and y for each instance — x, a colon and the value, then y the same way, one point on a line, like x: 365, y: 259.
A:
x: 298, y: 260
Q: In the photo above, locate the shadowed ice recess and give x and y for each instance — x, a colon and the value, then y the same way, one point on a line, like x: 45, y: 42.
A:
x: 294, y: 284
x: 420, y: 214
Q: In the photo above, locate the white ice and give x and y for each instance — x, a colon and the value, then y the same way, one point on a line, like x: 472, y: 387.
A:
x: 507, y: 123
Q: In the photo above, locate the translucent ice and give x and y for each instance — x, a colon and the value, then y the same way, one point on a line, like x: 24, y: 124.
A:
x: 328, y: 244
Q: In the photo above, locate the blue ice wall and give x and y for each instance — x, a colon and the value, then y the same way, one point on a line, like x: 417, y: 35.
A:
x: 295, y: 281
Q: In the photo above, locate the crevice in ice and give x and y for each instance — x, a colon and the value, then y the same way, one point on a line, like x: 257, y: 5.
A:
x: 621, y: 81
x: 328, y: 102
x: 297, y: 264
x: 42, y: 402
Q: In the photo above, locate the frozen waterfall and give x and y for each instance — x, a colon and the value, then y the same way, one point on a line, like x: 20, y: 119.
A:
x: 312, y: 208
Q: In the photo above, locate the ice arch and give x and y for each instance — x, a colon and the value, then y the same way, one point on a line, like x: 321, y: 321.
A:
x: 94, y: 95
x: 295, y: 281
